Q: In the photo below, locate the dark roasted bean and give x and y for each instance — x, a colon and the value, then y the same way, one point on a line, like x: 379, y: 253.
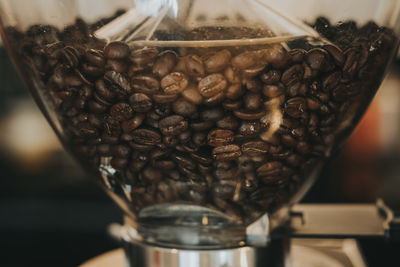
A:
x: 121, y: 111
x: 249, y: 115
x: 146, y: 137
x: 252, y: 101
x: 220, y: 137
x: 296, y: 107
x: 228, y: 152
x: 164, y: 63
x: 143, y: 57
x: 145, y: 84
x: 234, y: 91
x: 184, y: 108
x: 173, y: 125
x: 194, y: 66
x: 212, y: 85
x: 140, y: 102
x: 249, y: 128
x: 119, y: 79
x: 192, y: 95
x: 255, y: 148
x: 116, y: 50
x: 174, y: 83
x: 270, y: 77
x: 218, y: 61
x: 228, y: 122
x: 130, y: 125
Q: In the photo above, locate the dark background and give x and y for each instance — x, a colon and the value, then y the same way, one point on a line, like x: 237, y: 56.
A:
x: 51, y: 214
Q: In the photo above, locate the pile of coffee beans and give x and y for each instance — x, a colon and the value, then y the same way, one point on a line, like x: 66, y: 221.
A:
x: 237, y: 129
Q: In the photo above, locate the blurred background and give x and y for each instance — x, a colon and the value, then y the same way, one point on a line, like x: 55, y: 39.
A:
x: 51, y: 214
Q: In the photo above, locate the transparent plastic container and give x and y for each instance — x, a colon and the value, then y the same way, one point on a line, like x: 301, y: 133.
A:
x: 201, y: 117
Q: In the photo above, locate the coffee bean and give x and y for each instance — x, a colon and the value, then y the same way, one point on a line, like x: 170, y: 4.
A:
x: 246, y: 60
x: 143, y: 57
x: 145, y: 84
x: 164, y: 63
x: 292, y: 75
x: 95, y: 57
x: 103, y: 150
x: 249, y: 128
x: 277, y: 56
x: 212, y: 85
x: 212, y: 114
x: 228, y: 152
x: 194, y: 66
x: 218, y: 61
x: 253, y: 85
x: 119, y: 163
x: 202, y: 125
x: 146, y: 137
x: 151, y: 175
x: 228, y: 123
x: 121, y: 111
x: 119, y: 79
x: 215, y: 100
x: 164, y: 98
x: 232, y: 75
x: 104, y: 91
x: 232, y: 105
x: 140, y: 102
x: 234, y: 91
x: 255, y: 148
x: 249, y: 115
x: 184, y: 108
x: 296, y: 107
x: 272, y: 91
x: 130, y: 125
x: 316, y: 58
x: 270, y: 168
x: 173, y: 125
x: 335, y: 53
x: 116, y: 50
x: 270, y: 77
x: 220, y: 137
x: 116, y: 65
x: 174, y: 83
x: 192, y: 95
x: 121, y: 151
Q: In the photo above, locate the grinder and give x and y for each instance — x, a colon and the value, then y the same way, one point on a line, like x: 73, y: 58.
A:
x: 207, y: 121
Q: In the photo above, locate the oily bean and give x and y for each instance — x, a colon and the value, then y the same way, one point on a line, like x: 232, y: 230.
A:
x: 194, y: 66
x: 146, y: 137
x: 192, y: 95
x: 218, y: 61
x: 143, y: 57
x: 316, y: 58
x: 121, y: 151
x: 119, y: 163
x: 170, y: 141
x: 270, y: 77
x: 121, y: 111
x: 184, y: 161
x: 119, y: 79
x: 184, y: 108
x: 313, y: 104
x: 95, y: 57
x: 220, y: 137
x: 116, y: 50
x: 234, y: 91
x: 130, y: 125
x: 164, y: 164
x: 228, y: 123
x: 232, y: 75
x: 255, y: 148
x: 185, y: 137
x: 292, y: 75
x: 249, y: 128
x: 96, y: 107
x: 174, y: 83
x: 228, y: 152
x: 252, y: 101
x: 145, y: 84
x: 331, y: 81
x: 164, y: 63
x: 199, y: 138
x: 296, y: 107
x: 140, y: 102
x: 173, y: 125
x: 297, y: 55
x: 249, y: 115
x: 343, y: 91
x: 203, y: 157
x: 92, y: 70
x: 212, y: 85
x: 104, y: 91
x: 277, y: 56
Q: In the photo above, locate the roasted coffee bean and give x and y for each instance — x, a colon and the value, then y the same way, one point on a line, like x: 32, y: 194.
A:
x: 199, y: 138
x: 104, y: 91
x: 121, y: 151
x: 232, y: 75
x: 335, y: 53
x: 164, y: 63
x: 228, y: 122
x: 184, y: 108
x: 143, y: 57
x: 119, y: 163
x: 194, y: 66
x: 212, y: 85
x: 184, y: 161
x: 130, y: 125
x: 173, y: 125
x: 202, y: 125
x: 116, y: 65
x: 255, y: 148
x: 292, y: 75
x: 220, y: 137
x: 145, y: 84
x: 232, y: 105
x: 317, y: 58
x: 249, y: 128
x: 140, y: 102
x: 96, y: 107
x: 270, y: 77
x: 121, y: 111
x: 95, y: 57
x: 146, y: 137
x: 103, y: 150
x: 164, y: 98
x: 249, y: 115
x: 116, y: 50
x: 185, y: 136
x: 228, y: 152
x: 253, y: 85
x: 215, y: 100
x: 170, y: 141
x: 246, y: 60
x: 344, y: 91
x: 296, y: 107
x: 212, y: 114
x: 229, y: 174
x: 218, y: 61
x: 119, y: 79
x: 270, y: 168
x: 234, y: 91
x: 192, y: 95
x: 174, y: 83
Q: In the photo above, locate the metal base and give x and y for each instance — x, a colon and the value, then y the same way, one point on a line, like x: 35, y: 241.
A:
x: 143, y: 255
